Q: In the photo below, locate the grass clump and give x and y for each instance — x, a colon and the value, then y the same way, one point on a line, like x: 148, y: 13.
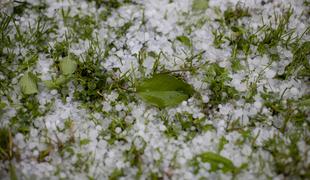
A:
x: 287, y: 159
x: 5, y: 144
x: 300, y: 64
x: 277, y: 34
x: 217, y: 78
x: 90, y: 79
x: 231, y: 15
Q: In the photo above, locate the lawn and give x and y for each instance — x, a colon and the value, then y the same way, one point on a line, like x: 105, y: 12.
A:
x: 154, y: 89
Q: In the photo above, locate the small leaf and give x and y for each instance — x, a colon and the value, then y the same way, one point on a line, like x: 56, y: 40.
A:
x: 200, y: 5
x: 184, y: 40
x: 84, y: 142
x: 2, y: 105
x: 62, y: 80
x: 217, y: 162
x: 163, y: 90
x: 50, y: 84
x: 55, y: 84
x: 67, y: 66
x: 28, y: 84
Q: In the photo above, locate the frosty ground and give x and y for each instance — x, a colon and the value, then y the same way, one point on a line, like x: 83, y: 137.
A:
x: 248, y: 62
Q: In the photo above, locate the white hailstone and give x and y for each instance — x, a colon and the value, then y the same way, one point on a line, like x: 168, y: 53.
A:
x: 62, y: 175
x: 224, y: 64
x: 270, y: 73
x: 246, y: 150
x: 156, y: 155
x: 119, y: 107
x: 242, y: 87
x: 118, y: 130
x: 64, y: 115
x: 106, y: 107
x: 190, y: 100
x: 294, y: 91
x: 41, y: 147
x: 93, y: 134
x: 113, y: 96
x: 97, y: 115
x: 34, y: 132
x: 205, y: 98
x: 61, y: 125
x: 200, y: 115
x: 135, y: 49
x: 129, y: 119
x: 224, y: 109
x: 258, y: 104
x: 21, y: 144
x: 14, y: 81
x: 2, y: 77
x: 31, y: 145
x: 238, y: 113
x: 188, y: 175
x: 236, y: 82
x: 162, y: 127
x: 98, y: 128
x: 19, y: 137
x: 184, y: 103
x: 221, y: 123
x: 35, y: 153
x: 252, y: 111
x: 54, y: 92
x: 182, y: 160
x: 178, y: 109
x: 146, y: 36
x: 207, y: 166
x: 148, y: 63
x: 119, y: 164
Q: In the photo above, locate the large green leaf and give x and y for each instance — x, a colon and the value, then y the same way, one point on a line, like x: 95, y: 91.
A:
x: 163, y: 90
x: 67, y: 66
x: 28, y: 84
x: 217, y: 162
x: 200, y: 5
x: 163, y: 98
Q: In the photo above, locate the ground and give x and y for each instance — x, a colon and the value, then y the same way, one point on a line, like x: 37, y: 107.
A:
x: 155, y: 89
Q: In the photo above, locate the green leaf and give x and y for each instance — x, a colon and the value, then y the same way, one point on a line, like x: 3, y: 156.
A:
x: 163, y: 98
x: 116, y: 174
x: 217, y: 162
x: 12, y: 170
x: 62, y: 80
x: 57, y: 83
x: 184, y: 40
x: 163, y: 90
x: 28, y: 84
x: 50, y: 84
x: 2, y: 105
x: 200, y: 5
x: 84, y: 142
x: 67, y: 66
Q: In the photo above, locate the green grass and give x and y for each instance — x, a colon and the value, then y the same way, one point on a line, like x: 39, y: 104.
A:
x: 300, y: 66
x: 91, y: 84
x: 282, y: 151
x: 218, y: 79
